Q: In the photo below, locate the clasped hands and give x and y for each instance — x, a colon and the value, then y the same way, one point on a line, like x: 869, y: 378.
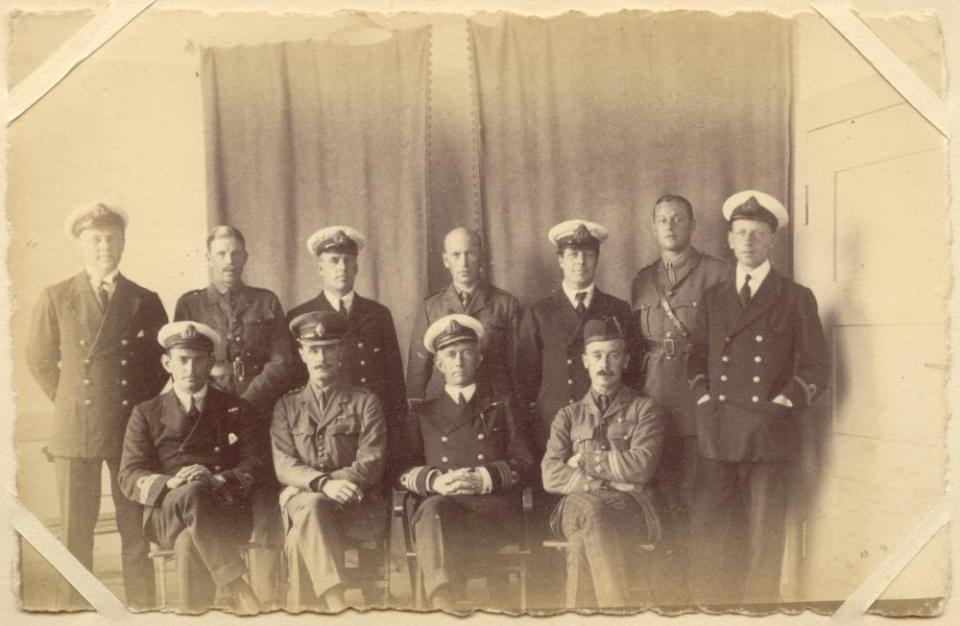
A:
x: 463, y: 481
x: 190, y: 473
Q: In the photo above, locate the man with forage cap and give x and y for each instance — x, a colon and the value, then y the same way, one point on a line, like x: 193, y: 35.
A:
x: 759, y: 359
x: 371, y: 351
x: 602, y: 453
x: 468, y: 293
x: 466, y: 462
x: 255, y: 364
x: 91, y: 348
x: 665, y: 297
x: 191, y: 457
x: 329, y: 442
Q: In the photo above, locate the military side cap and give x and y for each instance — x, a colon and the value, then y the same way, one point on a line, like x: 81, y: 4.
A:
x: 606, y: 329
x: 336, y: 239
x: 189, y: 335
x: 755, y: 205
x: 579, y: 234
x: 319, y: 327
x: 91, y: 215
x: 451, y: 329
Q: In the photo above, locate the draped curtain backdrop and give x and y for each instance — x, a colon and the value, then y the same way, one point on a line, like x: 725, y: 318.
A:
x: 302, y: 135
x: 596, y: 117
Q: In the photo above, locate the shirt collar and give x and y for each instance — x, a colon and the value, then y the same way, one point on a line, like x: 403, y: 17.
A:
x: 334, y: 299
x: 757, y: 275
x: 224, y: 291
x: 595, y: 395
x: 468, y: 392
x: 110, y: 278
x: 678, y: 262
x: 198, y: 398
x: 572, y: 294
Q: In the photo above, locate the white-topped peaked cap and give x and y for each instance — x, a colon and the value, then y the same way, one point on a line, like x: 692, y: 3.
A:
x: 187, y: 334
x: 579, y: 234
x: 756, y: 205
x: 93, y: 214
x: 451, y: 328
x: 336, y: 239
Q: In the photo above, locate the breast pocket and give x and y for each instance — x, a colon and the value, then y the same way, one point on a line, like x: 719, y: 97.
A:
x: 582, y: 438
x: 618, y: 434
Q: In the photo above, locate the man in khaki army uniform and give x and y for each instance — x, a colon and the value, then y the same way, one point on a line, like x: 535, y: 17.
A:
x: 469, y: 294
x: 371, y: 350
x: 92, y: 349
x: 255, y: 364
x: 329, y: 440
x: 665, y: 297
x: 192, y: 456
x: 602, y: 453
x: 759, y: 359
x: 468, y: 460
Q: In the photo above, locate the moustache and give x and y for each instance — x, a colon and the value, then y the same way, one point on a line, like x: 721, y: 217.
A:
x: 604, y: 373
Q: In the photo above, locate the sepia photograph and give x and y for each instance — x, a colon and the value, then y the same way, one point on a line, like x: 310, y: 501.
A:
x: 478, y: 309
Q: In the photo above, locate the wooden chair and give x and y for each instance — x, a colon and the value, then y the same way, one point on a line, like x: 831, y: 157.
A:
x: 510, y: 560
x: 162, y: 558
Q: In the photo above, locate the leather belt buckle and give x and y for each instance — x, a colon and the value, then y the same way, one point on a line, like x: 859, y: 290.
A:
x: 669, y: 347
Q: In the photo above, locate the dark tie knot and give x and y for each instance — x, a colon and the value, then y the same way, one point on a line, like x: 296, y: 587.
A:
x: 461, y: 401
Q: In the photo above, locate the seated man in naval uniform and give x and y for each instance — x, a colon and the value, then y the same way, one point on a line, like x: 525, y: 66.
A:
x: 468, y: 462
x: 191, y: 457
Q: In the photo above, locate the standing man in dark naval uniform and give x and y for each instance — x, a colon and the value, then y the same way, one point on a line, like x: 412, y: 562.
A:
x: 550, y: 372
x: 467, y: 293
x: 469, y: 461
x: 371, y: 351
x: 255, y: 365
x: 666, y: 296
x: 602, y: 453
x: 329, y: 441
x: 92, y: 349
x: 759, y: 359
x: 191, y: 457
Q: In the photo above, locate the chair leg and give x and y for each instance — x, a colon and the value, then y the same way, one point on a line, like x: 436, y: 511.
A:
x: 160, y: 573
x: 418, y: 592
x: 523, y: 584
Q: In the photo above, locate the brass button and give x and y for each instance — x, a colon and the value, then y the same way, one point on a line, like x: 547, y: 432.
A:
x: 362, y: 363
x: 86, y: 361
x: 363, y: 380
x: 125, y: 403
x: 755, y: 399
x: 124, y: 342
x: 758, y: 359
x: 86, y: 381
x: 480, y: 457
x: 240, y: 378
x: 360, y: 345
x: 88, y: 402
x: 723, y: 378
x: 481, y: 436
x: 586, y: 487
x: 571, y: 401
x: 216, y: 468
x: 569, y: 381
x: 83, y: 342
x: 216, y: 448
x: 237, y: 339
x: 599, y: 468
x: 123, y: 362
x: 759, y: 338
x: 444, y: 439
x: 756, y: 379
x: 725, y: 358
x: 229, y: 337
x: 722, y: 397
x: 444, y: 459
x: 728, y: 339
x: 569, y: 361
x: 669, y: 334
x: 123, y: 382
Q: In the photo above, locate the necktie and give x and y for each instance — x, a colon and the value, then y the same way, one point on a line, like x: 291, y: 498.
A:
x: 461, y: 401
x: 103, y: 296
x: 343, y: 308
x: 464, y: 297
x: 323, y: 400
x: 602, y: 401
x: 745, y: 291
x: 581, y: 309
x: 192, y: 412
x: 671, y: 273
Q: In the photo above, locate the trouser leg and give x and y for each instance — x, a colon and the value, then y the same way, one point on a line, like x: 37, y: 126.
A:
x: 433, y: 525
x: 713, y: 531
x: 78, y: 488
x: 214, y: 531
x: 316, y: 536
x: 546, y: 567
x: 138, y: 577
x: 267, y: 532
x: 766, y: 513
x: 595, y: 520
x: 195, y: 587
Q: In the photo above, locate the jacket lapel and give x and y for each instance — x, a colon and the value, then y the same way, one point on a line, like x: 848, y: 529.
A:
x: 623, y: 397
x: 358, y: 312
x: 213, y: 307
x: 86, y: 309
x: 478, y: 301
x: 173, y: 417
x: 570, y: 321
x: 122, y: 310
x: 760, y: 303
x: 693, y: 261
